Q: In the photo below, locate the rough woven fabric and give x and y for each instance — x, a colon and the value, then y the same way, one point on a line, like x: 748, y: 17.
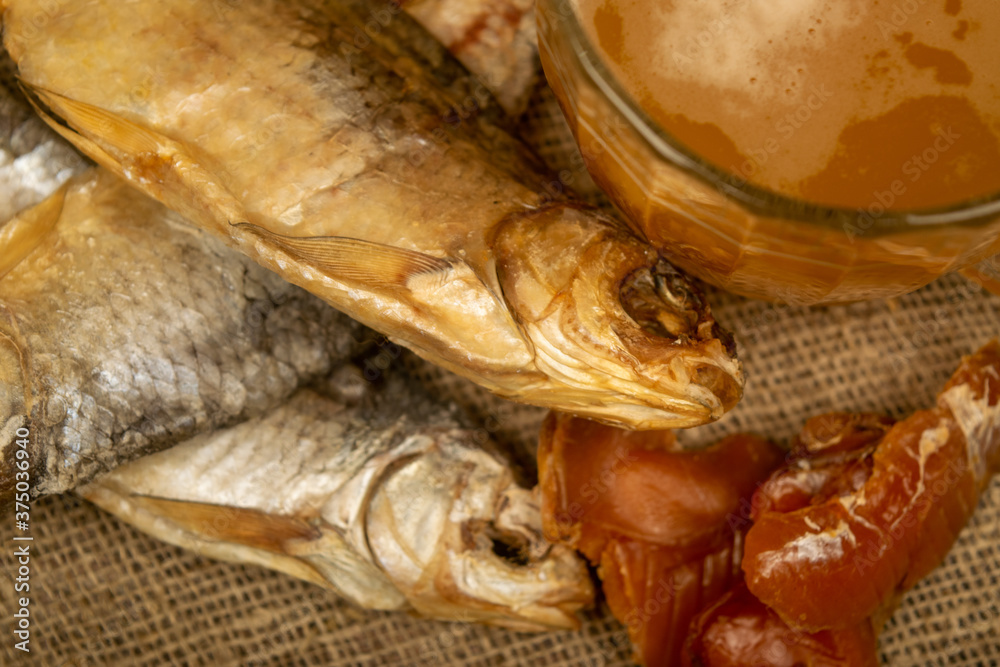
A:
x: 104, y: 594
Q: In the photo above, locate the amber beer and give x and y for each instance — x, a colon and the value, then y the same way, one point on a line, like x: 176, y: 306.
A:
x: 880, y: 107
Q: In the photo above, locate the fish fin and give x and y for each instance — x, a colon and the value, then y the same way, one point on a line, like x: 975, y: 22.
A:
x: 85, y: 145
x: 114, y: 143
x: 22, y: 233
x: 355, y: 259
x: 238, y: 525
x: 95, y: 122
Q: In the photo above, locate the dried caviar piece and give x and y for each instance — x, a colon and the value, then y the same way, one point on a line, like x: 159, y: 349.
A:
x: 740, y: 630
x: 848, y: 557
x: 664, y: 526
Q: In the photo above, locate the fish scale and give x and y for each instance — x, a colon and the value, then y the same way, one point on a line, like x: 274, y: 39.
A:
x: 34, y: 161
x: 123, y: 331
x: 195, y: 338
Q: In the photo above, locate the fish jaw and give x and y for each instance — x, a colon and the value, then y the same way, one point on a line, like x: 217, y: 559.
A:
x: 612, y: 324
x: 557, y: 339
x: 452, y: 530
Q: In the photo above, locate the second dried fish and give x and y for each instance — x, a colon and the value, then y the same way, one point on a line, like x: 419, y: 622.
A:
x: 391, y: 505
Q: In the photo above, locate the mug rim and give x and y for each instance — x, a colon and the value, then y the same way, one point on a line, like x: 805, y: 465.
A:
x: 756, y: 199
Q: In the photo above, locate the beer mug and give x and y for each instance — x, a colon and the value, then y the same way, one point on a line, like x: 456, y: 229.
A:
x: 805, y: 152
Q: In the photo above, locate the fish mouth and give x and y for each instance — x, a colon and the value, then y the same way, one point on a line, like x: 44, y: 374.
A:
x: 506, y: 561
x: 622, y: 336
x: 668, y: 307
x: 462, y: 540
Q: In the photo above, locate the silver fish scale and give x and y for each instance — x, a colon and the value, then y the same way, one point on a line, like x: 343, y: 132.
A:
x: 366, y: 167
x: 34, y: 161
x: 140, y: 332
x: 293, y: 458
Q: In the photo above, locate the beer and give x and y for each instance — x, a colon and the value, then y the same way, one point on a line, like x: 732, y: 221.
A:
x: 891, y: 105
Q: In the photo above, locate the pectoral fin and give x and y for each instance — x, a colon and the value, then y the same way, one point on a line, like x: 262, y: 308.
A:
x: 25, y: 231
x: 373, y: 264
x: 95, y: 123
x: 237, y: 525
x: 135, y: 153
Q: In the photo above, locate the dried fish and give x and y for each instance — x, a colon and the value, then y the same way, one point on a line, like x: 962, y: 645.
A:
x: 389, y: 503
x: 124, y: 330
x: 354, y: 157
x: 495, y: 39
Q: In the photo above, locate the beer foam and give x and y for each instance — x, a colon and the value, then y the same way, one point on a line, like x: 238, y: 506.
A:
x: 726, y: 44
x: 801, y: 96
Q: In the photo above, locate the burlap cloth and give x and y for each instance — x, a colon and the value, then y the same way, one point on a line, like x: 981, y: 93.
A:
x: 104, y: 594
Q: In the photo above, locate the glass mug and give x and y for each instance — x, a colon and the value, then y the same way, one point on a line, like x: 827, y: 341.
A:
x: 732, y: 233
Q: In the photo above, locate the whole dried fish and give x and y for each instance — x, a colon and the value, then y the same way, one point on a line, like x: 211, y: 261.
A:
x: 355, y: 158
x: 392, y: 505
x: 495, y: 39
x: 124, y: 330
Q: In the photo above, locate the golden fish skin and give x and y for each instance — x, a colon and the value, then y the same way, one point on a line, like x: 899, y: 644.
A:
x: 392, y: 506
x: 494, y: 39
x: 124, y: 330
x: 356, y: 159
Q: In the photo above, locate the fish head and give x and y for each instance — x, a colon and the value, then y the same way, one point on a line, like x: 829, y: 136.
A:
x: 462, y: 540
x: 613, y: 323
